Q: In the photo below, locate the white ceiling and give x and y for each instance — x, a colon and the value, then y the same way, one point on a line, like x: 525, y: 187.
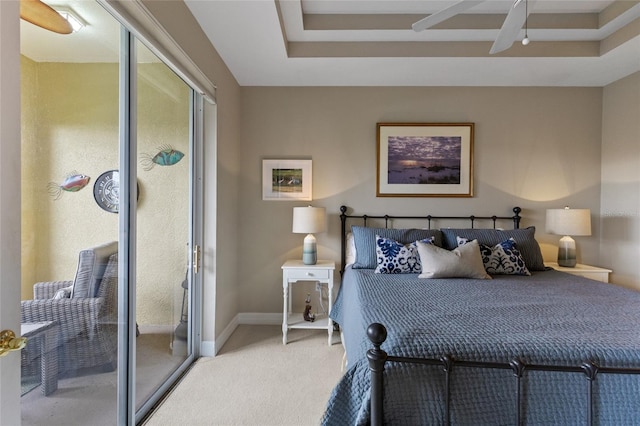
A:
x: 371, y: 43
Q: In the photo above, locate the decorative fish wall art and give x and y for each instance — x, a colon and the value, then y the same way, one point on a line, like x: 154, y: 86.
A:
x: 74, y: 182
x: 167, y: 156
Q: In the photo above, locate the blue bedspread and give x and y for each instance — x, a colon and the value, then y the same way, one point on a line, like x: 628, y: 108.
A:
x: 547, y: 318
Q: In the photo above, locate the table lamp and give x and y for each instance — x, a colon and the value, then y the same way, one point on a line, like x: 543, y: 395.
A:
x: 309, y: 220
x: 567, y: 222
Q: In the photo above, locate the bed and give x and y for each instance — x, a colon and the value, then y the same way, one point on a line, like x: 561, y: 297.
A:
x: 536, y: 348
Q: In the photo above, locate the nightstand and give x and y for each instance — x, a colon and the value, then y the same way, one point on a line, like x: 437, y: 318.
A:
x: 587, y: 271
x: 294, y: 271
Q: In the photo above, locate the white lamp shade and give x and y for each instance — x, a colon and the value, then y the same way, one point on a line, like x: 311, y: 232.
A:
x: 309, y: 220
x: 575, y: 222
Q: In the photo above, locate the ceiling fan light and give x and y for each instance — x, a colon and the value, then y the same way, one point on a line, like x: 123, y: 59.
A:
x: 76, y: 22
x: 525, y: 41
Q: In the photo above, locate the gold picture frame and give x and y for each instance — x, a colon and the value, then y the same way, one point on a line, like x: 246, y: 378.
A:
x: 425, y: 160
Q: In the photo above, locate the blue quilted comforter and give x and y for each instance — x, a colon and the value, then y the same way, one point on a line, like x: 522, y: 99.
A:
x: 547, y: 318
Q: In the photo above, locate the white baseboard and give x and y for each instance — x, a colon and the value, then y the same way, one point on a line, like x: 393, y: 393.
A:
x: 209, y: 348
x: 259, y: 318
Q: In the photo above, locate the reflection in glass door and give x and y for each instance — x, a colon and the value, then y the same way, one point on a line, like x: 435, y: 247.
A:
x: 163, y: 224
x: 70, y: 139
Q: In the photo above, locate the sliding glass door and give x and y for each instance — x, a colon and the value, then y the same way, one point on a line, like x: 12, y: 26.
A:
x: 110, y: 214
x: 164, y: 228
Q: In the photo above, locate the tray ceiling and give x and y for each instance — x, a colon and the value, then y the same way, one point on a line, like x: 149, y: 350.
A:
x: 371, y: 43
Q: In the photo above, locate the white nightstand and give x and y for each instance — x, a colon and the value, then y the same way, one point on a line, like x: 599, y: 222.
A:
x: 294, y: 271
x: 587, y: 271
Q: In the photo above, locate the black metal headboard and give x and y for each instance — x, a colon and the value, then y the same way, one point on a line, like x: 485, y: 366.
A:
x: 428, y: 218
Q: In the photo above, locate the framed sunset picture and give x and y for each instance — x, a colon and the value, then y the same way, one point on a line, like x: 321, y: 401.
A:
x: 425, y: 160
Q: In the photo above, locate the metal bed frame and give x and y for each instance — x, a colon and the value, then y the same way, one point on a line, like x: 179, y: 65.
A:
x: 377, y: 358
x: 377, y: 334
x: 427, y: 218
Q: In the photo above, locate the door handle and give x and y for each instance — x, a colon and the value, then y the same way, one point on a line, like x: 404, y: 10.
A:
x: 9, y: 342
x: 196, y: 259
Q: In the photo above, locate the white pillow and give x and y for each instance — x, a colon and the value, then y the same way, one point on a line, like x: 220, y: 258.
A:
x: 350, y: 250
x: 462, y: 262
x: 63, y: 293
x: 502, y: 259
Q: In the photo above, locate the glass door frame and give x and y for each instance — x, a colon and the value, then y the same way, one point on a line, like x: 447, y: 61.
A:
x: 126, y: 413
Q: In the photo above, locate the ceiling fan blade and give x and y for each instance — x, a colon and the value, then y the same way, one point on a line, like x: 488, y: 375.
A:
x: 42, y: 15
x: 512, y: 25
x: 444, y: 14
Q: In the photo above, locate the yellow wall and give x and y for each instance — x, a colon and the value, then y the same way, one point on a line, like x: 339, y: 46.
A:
x: 70, y: 124
x: 163, y: 210
x: 65, y: 129
x: 29, y: 113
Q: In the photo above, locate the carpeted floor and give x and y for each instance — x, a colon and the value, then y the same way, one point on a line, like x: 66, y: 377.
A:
x: 256, y: 380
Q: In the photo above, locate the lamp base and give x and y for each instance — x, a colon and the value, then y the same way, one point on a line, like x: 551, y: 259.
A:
x: 309, y: 251
x: 567, y: 252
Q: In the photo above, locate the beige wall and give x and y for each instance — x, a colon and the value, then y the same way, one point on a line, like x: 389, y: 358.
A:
x: 619, y: 247
x: 536, y: 148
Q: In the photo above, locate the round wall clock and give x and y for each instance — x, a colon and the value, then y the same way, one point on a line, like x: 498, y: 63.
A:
x: 106, y: 191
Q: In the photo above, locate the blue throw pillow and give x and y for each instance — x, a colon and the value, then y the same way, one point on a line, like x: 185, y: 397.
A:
x: 525, y: 238
x: 397, y: 258
x: 502, y: 259
x: 364, y: 239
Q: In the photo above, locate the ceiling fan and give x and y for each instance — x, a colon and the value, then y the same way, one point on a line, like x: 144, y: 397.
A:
x: 44, y: 16
x: 516, y: 18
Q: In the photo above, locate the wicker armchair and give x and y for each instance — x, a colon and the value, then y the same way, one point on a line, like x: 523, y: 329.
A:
x: 88, y: 316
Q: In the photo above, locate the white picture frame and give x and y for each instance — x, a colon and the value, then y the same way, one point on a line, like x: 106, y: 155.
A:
x: 284, y: 180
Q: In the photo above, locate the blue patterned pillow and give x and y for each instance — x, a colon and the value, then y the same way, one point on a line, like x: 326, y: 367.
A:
x: 364, y: 239
x: 397, y: 258
x: 527, y: 244
x: 502, y: 259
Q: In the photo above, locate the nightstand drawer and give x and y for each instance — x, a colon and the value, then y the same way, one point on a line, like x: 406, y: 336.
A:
x: 302, y: 274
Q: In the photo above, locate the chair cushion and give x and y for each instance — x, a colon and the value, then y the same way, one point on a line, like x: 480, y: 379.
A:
x: 63, y: 293
x: 91, y: 265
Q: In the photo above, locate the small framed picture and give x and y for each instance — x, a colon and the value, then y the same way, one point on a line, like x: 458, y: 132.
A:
x: 286, y: 180
x: 425, y: 160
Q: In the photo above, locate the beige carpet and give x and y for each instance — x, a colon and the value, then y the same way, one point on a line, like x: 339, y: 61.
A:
x: 256, y: 380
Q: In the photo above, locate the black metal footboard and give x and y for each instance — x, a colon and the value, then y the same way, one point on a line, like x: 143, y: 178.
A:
x: 377, y: 357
